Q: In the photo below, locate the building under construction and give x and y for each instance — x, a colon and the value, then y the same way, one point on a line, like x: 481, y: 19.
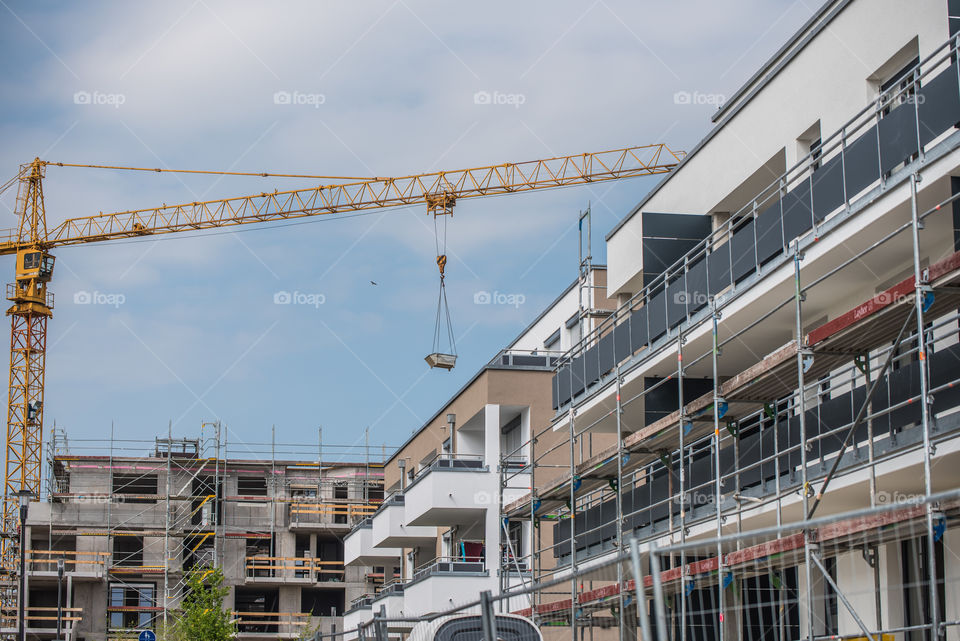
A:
x: 744, y: 426
x: 754, y: 429
x: 129, y: 519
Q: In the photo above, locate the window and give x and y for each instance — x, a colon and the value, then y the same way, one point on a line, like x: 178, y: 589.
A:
x: 252, y: 486
x: 128, y: 551
x: 515, y: 531
x: 340, y: 511
x: 136, y: 601
x: 321, y: 603
x: 258, y: 602
x: 914, y: 566
x: 553, y: 341
x: 136, y: 488
x: 375, y: 492
x: 902, y: 85
x: 511, y: 441
x: 831, y: 625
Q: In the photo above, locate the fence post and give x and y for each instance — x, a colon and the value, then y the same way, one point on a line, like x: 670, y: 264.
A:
x: 639, y: 590
x: 487, y: 619
x: 380, y: 624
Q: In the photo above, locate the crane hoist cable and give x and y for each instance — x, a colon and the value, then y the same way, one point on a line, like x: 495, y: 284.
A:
x: 444, y: 353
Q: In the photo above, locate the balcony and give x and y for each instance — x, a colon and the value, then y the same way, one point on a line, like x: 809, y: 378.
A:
x: 358, y: 547
x: 272, y: 625
x: 359, y: 613
x: 325, y: 515
x: 279, y: 569
x: 42, y: 622
x: 525, y: 359
x: 391, y: 599
x: 444, y: 582
x: 805, y: 210
x: 392, y: 530
x: 42, y: 564
x: 452, y: 489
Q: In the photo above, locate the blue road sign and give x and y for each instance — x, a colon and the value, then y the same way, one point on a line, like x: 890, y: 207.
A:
x: 148, y: 635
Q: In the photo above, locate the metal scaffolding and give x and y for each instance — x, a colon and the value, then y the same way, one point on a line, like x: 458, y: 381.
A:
x: 755, y: 443
x: 169, y: 496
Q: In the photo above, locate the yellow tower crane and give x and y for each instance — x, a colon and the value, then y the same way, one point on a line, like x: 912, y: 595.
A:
x: 32, y: 243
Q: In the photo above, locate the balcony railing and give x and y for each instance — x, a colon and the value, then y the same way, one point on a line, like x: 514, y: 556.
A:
x: 394, y: 587
x: 293, y: 569
x: 525, y: 358
x: 900, y: 125
x: 450, y: 565
x: 362, y: 601
x: 448, y: 461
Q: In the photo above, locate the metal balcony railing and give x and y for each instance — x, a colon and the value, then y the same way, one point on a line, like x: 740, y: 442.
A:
x: 901, y: 124
x: 450, y: 565
x: 525, y: 358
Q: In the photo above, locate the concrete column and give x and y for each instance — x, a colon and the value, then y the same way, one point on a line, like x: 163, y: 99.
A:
x: 491, y: 433
x: 855, y: 580
x: 891, y: 586
x: 817, y: 592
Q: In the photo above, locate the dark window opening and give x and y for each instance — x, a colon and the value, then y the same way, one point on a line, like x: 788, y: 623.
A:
x: 252, y: 486
x: 250, y: 606
x: 831, y: 624
x: 128, y: 551
x: 914, y: 561
x: 136, y: 488
x: 206, y: 508
x: 322, y: 603
x: 198, y: 552
x: 340, y: 492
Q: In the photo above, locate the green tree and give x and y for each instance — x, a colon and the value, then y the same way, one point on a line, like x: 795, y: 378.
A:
x: 202, y: 616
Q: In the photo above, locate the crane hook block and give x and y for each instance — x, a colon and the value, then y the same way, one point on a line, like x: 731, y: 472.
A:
x: 442, y: 262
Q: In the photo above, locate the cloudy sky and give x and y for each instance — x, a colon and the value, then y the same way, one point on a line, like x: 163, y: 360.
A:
x: 183, y: 330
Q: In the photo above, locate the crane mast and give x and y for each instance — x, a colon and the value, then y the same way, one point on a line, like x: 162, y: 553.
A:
x: 31, y: 307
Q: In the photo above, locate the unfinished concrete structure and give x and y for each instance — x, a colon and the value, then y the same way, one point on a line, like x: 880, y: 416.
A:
x: 130, y: 521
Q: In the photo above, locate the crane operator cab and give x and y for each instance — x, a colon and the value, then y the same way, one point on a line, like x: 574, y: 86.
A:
x: 34, y: 271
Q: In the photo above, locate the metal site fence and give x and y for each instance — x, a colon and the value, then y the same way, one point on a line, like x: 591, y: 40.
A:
x: 860, y: 574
